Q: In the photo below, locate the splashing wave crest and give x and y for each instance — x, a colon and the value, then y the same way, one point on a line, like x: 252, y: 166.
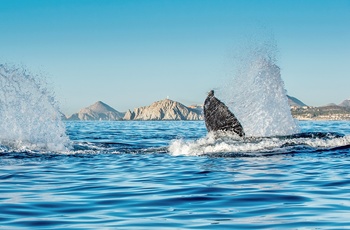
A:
x: 29, y: 115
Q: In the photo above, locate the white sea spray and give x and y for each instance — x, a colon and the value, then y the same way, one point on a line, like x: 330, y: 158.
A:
x: 29, y: 114
x: 257, y: 96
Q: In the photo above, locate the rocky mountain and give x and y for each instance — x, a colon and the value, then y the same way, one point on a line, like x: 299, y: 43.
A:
x: 97, y: 111
x: 172, y: 110
x: 292, y: 101
x: 164, y: 110
x: 198, y: 108
x: 345, y: 103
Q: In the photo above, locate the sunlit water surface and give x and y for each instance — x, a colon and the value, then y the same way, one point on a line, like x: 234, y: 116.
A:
x: 172, y: 175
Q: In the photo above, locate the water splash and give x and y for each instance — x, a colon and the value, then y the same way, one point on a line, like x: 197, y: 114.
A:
x: 219, y: 144
x: 257, y: 95
x: 29, y: 115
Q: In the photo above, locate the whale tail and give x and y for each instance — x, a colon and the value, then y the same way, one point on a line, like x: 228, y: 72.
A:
x: 217, y: 116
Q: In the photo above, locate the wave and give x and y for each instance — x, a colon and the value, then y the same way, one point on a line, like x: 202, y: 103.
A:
x: 213, y: 145
x: 221, y: 144
x: 79, y: 149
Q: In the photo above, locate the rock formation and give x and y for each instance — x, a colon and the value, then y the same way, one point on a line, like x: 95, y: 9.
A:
x: 164, y: 110
x: 345, y: 103
x: 172, y: 110
x: 292, y: 101
x: 97, y: 111
x: 129, y: 115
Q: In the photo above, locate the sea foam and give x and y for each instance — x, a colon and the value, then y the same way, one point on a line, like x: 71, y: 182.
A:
x: 214, y: 144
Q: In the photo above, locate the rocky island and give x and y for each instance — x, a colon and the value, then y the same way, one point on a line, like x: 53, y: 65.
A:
x: 160, y: 110
x: 97, y: 111
x: 172, y: 110
x: 164, y: 110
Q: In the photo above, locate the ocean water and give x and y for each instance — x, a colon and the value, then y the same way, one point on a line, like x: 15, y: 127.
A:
x: 173, y: 175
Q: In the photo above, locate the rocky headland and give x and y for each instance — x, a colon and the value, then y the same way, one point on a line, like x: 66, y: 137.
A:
x: 172, y: 110
x: 97, y: 111
x: 160, y: 110
x: 164, y: 110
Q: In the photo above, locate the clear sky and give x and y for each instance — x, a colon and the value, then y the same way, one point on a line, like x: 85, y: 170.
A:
x: 132, y: 53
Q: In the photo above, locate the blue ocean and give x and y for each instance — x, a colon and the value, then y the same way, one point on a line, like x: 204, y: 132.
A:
x: 174, y: 175
x: 283, y: 174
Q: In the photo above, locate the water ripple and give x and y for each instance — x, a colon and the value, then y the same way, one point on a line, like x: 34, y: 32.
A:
x: 154, y: 189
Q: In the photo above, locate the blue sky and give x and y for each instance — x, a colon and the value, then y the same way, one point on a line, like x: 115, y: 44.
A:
x: 131, y: 53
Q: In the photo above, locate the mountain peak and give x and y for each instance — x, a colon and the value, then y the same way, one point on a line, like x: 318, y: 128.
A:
x: 165, y: 102
x: 97, y: 111
x: 101, y: 107
x: 345, y: 103
x: 165, y: 109
x: 292, y: 101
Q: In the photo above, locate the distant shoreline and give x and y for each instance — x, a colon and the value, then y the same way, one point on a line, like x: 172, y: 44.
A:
x: 169, y: 110
x: 65, y: 120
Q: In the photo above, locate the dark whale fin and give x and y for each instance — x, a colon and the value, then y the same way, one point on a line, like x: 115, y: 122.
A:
x: 217, y: 116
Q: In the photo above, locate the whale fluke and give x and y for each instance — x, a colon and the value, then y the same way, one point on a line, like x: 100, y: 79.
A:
x: 217, y: 116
